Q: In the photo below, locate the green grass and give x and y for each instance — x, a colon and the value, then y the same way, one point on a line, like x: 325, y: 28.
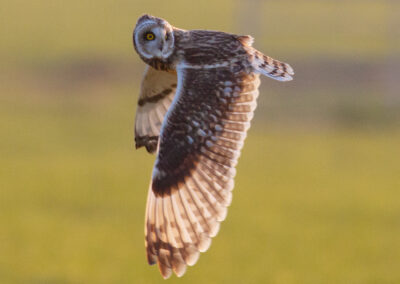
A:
x: 309, y: 206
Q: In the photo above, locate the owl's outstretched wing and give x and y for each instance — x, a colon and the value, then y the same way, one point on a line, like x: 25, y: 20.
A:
x: 200, y: 144
x: 156, y: 94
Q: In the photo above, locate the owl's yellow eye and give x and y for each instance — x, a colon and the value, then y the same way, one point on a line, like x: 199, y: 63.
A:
x: 149, y: 36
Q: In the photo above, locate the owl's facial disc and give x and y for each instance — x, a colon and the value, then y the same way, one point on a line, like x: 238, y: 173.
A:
x: 153, y: 40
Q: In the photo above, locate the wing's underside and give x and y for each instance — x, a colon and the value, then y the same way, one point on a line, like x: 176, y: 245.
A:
x: 156, y: 94
x: 200, y: 144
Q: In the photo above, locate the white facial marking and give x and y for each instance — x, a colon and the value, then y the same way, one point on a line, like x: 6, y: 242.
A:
x: 160, y: 46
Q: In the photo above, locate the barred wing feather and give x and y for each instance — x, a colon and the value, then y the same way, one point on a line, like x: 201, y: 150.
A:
x: 193, y: 176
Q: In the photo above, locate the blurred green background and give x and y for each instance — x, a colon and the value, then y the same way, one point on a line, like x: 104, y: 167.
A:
x: 317, y: 196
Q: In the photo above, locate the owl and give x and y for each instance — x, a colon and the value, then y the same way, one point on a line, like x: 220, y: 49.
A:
x: 197, y: 99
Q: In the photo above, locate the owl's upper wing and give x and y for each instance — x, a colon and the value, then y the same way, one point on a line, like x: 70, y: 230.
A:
x: 200, y: 143
x: 156, y: 94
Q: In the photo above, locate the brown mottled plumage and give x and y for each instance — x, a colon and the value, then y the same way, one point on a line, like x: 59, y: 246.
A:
x: 196, y: 103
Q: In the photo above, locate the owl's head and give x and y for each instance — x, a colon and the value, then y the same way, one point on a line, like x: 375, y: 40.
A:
x: 153, y: 37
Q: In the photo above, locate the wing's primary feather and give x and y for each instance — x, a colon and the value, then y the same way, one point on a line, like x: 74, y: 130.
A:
x: 270, y: 67
x: 200, y: 143
x: 156, y: 94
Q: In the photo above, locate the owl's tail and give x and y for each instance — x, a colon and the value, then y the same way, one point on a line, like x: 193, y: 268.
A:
x: 272, y: 68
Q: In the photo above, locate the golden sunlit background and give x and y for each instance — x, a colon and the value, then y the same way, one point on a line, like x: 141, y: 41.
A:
x: 317, y: 196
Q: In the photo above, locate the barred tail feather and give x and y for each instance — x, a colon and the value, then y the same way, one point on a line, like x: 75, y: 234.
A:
x: 272, y: 68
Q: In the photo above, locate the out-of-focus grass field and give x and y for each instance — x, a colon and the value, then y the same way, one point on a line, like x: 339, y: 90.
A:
x: 317, y: 196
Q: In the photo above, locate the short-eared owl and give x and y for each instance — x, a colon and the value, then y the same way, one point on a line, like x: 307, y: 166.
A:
x: 196, y: 102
